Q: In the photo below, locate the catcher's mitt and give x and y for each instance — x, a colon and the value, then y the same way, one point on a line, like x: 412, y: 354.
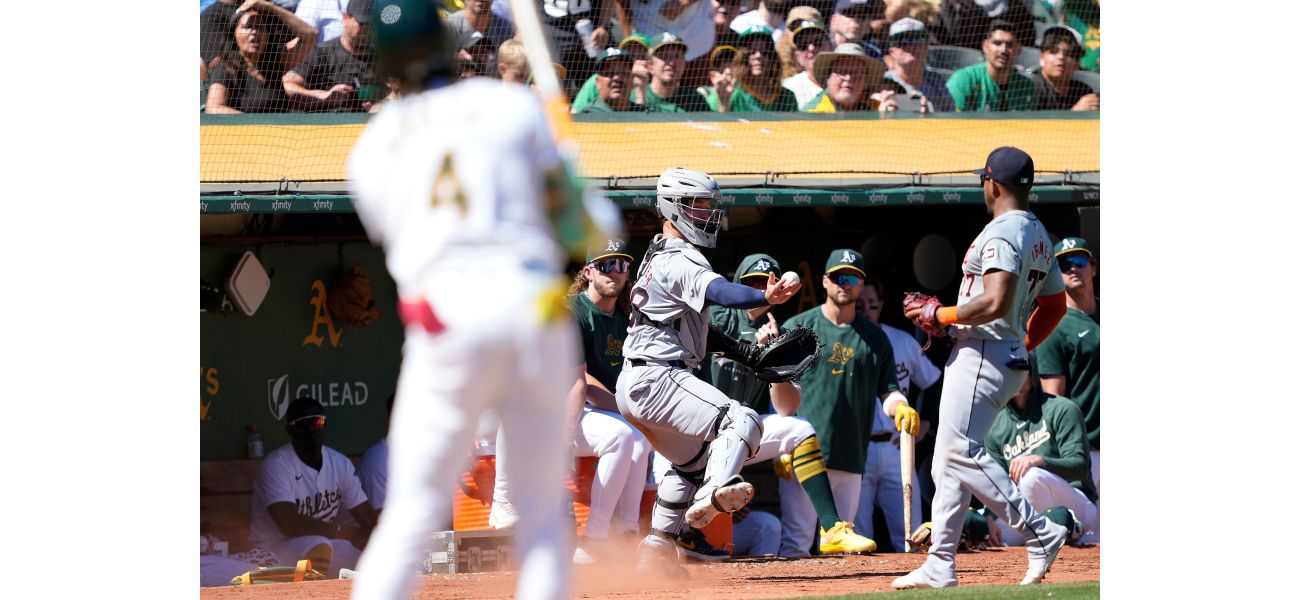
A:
x: 353, y: 300
x: 786, y: 356
x: 928, y: 318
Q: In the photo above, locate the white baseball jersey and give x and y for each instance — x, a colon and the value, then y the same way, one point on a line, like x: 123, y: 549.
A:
x: 373, y: 473
x: 912, y: 367
x: 316, y: 494
x: 440, y: 177
x: 670, y: 290
x: 1015, y: 242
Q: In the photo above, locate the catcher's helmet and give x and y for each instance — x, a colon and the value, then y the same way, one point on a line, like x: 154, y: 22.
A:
x: 677, y: 190
x: 411, y: 42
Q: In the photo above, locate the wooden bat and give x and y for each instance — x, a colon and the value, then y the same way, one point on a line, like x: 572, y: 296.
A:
x: 907, y: 450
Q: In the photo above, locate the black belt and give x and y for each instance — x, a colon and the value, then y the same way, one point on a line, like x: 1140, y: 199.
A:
x: 636, y: 362
x: 882, y: 437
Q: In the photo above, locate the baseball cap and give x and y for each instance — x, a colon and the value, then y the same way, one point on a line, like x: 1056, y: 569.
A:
x: 756, y: 264
x: 907, y: 29
x: 637, y: 38
x: 856, y: 5
x: 304, y: 406
x: 360, y: 10
x: 803, y: 24
x: 1072, y: 244
x: 1008, y: 164
x: 666, y: 39
x: 846, y: 259
x: 724, y: 53
x: 763, y: 30
x: 612, y: 54
x: 470, y: 39
x: 822, y: 64
x: 1066, y: 28
x: 609, y: 248
x: 802, y: 13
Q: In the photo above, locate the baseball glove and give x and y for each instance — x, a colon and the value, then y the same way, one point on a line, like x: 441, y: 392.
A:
x: 353, y: 300
x: 920, y: 538
x: 928, y: 319
x: 786, y: 356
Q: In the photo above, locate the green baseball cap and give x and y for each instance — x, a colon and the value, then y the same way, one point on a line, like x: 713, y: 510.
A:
x: 612, y: 54
x: 846, y: 259
x: 756, y: 265
x: 1072, y: 244
x: 667, y: 39
x: 637, y: 38
x: 756, y: 30
x: 609, y: 248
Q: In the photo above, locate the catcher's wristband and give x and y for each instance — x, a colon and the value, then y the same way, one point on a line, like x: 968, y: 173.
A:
x: 947, y: 315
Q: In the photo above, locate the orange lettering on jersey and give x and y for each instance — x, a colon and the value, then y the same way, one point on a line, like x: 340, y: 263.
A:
x: 321, y: 317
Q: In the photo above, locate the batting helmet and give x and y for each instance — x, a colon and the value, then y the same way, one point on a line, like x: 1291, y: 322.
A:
x: 411, y: 42
x: 677, y: 190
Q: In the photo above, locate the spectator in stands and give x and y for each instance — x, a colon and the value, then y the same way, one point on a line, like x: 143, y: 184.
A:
x: 808, y: 39
x: 512, y: 63
x: 1070, y: 359
x: 690, y: 20
x: 908, y: 47
x: 994, y: 85
x: 724, y: 12
x: 339, y: 74
x: 637, y: 46
x: 324, y: 15
x: 769, y: 13
x: 722, y: 80
x: 1057, y: 90
x: 613, y: 72
x: 214, y: 34
x: 667, y: 66
x: 478, y: 16
x: 300, y: 493
x: 1083, y: 16
x: 264, y: 49
x: 860, y: 21
x: 477, y: 56
x: 373, y: 471
x: 853, y: 81
x: 966, y: 21
x: 758, y: 76
x: 559, y: 21
x: 785, y: 46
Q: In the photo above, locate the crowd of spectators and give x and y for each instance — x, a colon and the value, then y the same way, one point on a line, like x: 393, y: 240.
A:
x: 680, y: 55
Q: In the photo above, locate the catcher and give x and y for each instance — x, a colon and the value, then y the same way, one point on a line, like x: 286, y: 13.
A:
x: 705, y: 435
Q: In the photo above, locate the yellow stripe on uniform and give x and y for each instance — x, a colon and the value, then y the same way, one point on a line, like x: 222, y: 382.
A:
x: 808, y: 461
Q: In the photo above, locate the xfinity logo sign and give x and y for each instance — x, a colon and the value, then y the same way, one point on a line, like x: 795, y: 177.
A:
x: 281, y: 391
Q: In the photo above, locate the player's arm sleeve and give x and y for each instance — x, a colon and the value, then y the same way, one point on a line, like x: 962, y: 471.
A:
x: 733, y: 295
x: 1071, y: 443
x: 688, y: 281
x: 1044, y: 319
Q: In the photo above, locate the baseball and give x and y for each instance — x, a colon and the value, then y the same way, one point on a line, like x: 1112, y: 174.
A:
x: 789, y: 277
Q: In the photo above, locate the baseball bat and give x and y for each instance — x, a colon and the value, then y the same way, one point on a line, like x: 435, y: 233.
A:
x: 907, y: 448
x: 529, y: 25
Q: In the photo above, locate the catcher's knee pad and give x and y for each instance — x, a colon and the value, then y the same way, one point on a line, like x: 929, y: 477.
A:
x: 743, y: 423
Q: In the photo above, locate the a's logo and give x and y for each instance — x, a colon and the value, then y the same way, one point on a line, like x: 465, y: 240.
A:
x: 321, y: 317
x: 614, y: 246
x: 847, y: 258
x: 763, y: 265
x: 840, y: 355
x: 1068, y: 244
x: 668, y: 37
x: 390, y: 14
x: 613, y: 345
x: 277, y: 396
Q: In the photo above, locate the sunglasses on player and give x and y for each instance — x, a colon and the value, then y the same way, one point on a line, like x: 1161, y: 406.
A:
x: 756, y: 282
x: 847, y: 280
x: 1068, y: 263
x: 612, y: 265
x: 308, y: 423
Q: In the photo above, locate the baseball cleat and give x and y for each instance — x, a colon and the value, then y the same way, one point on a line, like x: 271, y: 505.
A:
x: 657, y: 555
x: 1039, y: 566
x: 692, y: 545
x: 502, y: 516
x: 916, y: 579
x: 842, y: 539
x: 728, y: 498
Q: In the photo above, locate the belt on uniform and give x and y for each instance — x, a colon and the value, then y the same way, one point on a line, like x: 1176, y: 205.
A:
x: 636, y: 362
x: 882, y: 437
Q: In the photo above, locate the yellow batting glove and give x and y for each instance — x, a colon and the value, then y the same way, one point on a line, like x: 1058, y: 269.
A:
x: 906, y: 419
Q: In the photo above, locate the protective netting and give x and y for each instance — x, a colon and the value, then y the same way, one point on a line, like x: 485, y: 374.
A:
x: 749, y: 76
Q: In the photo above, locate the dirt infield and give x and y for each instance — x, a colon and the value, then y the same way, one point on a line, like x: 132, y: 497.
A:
x: 755, y: 577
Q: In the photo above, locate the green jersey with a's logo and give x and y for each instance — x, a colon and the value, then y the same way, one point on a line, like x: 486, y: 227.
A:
x: 1074, y: 351
x: 1053, y: 430
x: 733, y: 379
x: 839, y: 390
x: 602, y: 339
x: 683, y: 100
x: 743, y: 101
x: 1016, y: 242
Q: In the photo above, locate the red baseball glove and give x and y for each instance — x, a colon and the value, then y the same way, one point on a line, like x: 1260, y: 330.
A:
x: 928, y: 316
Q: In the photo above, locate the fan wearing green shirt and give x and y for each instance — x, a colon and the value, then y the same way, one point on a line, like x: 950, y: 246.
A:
x: 758, y: 76
x: 839, y: 390
x: 613, y: 83
x: 667, y: 68
x: 994, y: 85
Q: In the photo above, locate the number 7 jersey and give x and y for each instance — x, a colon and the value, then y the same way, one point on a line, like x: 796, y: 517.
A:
x: 1018, y: 243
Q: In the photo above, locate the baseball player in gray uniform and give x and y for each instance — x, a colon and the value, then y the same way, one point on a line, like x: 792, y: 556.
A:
x: 704, y: 434
x: 1008, y: 267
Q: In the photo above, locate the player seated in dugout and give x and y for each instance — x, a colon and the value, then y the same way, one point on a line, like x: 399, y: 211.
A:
x: 268, y: 42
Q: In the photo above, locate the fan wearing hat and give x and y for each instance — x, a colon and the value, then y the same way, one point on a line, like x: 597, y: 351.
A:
x: 852, y: 80
x: 613, y: 83
x: 994, y: 85
x: 785, y: 45
x: 667, y: 69
x: 722, y: 80
x: 909, y: 45
x: 861, y: 21
x: 758, y: 76
x: 1057, y: 90
x: 637, y: 45
x: 807, y: 38
x: 771, y: 14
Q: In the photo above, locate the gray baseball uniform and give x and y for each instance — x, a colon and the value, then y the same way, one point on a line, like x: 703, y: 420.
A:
x: 703, y: 433
x: 987, y: 367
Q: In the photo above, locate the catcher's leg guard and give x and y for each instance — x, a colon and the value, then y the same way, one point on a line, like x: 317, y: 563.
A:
x: 671, y: 501
x: 723, y: 490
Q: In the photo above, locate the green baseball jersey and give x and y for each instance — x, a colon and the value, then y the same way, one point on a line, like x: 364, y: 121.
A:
x: 683, y: 100
x: 710, y: 95
x: 743, y: 101
x: 733, y: 379
x: 586, y: 95
x: 599, y: 106
x: 602, y: 339
x: 839, y: 390
x: 1074, y: 351
x: 1052, y: 429
x: 973, y: 90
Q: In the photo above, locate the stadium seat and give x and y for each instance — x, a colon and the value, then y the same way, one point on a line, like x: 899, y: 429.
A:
x: 1028, y: 61
x: 1092, y: 80
x: 952, y: 57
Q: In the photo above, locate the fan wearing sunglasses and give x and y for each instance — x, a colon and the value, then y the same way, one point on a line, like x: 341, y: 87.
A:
x: 1069, y: 360
x: 300, y: 493
x: 839, y: 391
